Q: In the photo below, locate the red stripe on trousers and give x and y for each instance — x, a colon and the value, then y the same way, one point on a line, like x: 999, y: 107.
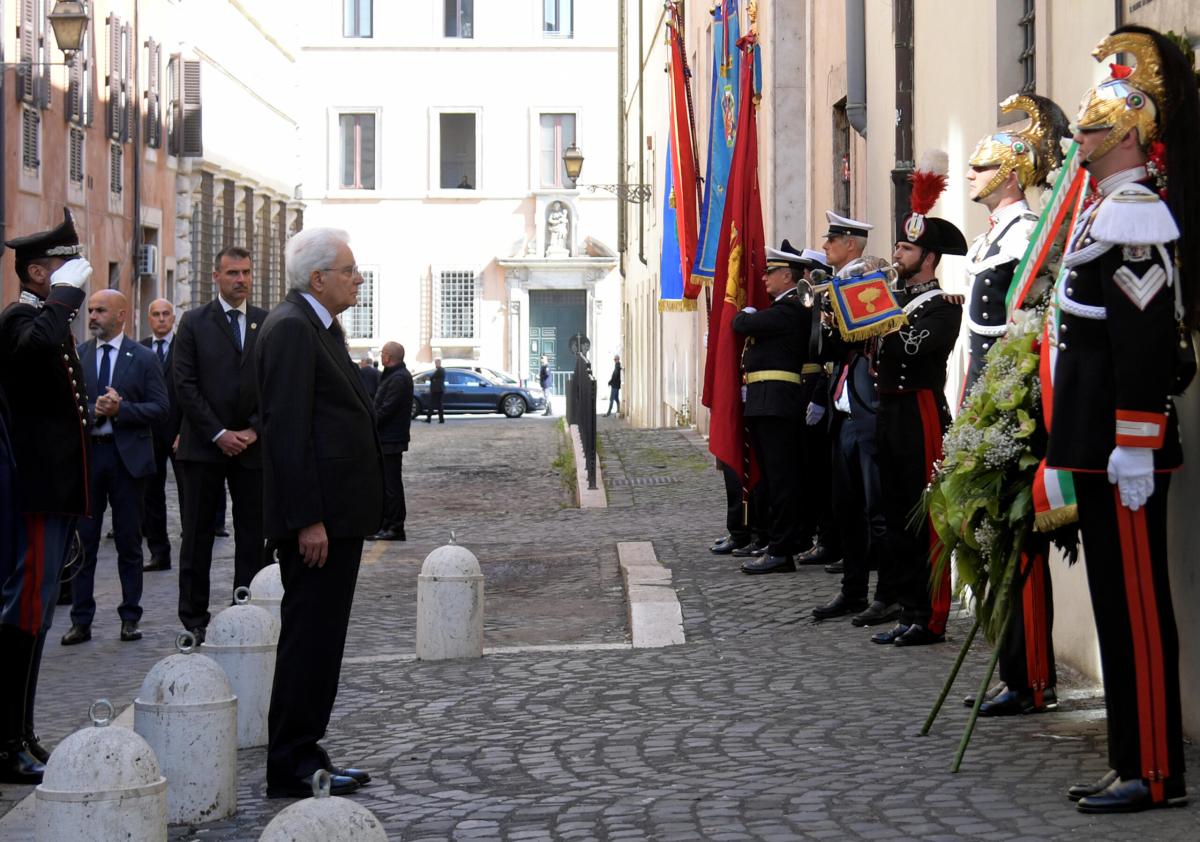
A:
x: 931, y: 426
x: 35, y: 570
x: 1037, y: 664
x: 1147, y: 646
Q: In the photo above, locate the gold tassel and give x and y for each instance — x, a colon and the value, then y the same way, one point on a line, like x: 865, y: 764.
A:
x: 876, y: 329
x: 1055, y: 518
x: 676, y: 305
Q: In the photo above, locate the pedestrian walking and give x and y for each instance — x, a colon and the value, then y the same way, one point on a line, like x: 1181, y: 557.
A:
x: 161, y: 316
x: 323, y: 481
x: 42, y: 382
x: 126, y: 398
x: 393, y: 419
x: 437, y: 393
x: 614, y: 386
x: 546, y: 381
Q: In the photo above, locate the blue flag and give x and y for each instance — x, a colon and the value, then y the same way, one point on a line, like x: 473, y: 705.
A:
x: 722, y: 133
x: 670, y: 271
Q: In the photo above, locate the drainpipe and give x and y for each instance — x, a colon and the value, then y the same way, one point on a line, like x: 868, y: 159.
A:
x: 641, y: 131
x: 622, y: 127
x: 902, y: 30
x: 136, y: 105
x: 3, y: 149
x: 856, y: 66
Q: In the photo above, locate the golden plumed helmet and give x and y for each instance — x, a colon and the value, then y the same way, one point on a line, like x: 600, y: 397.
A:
x: 1130, y: 98
x: 1031, y: 151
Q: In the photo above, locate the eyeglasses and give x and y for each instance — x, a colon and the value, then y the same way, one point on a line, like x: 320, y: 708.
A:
x: 349, y: 271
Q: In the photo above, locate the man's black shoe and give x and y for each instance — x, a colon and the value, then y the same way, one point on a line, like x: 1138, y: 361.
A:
x: 18, y: 766
x: 969, y: 701
x: 385, y: 535
x: 130, y: 631
x: 198, y: 634
x: 877, y: 614
x: 726, y: 545
x: 362, y: 776
x: 1132, y: 797
x: 918, y: 635
x: 34, y: 746
x: 751, y: 550
x: 816, y: 554
x: 77, y: 634
x: 1083, y: 790
x: 1016, y: 702
x: 839, y: 606
x: 891, y: 635
x: 157, y: 564
x: 835, y: 567
x: 303, y: 788
x: 221, y: 532
x: 769, y: 564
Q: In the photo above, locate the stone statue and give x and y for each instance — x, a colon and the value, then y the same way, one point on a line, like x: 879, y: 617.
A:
x: 558, y: 223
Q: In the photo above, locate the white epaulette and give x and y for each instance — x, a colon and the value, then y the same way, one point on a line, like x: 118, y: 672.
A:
x: 1134, y: 215
x: 1015, y: 239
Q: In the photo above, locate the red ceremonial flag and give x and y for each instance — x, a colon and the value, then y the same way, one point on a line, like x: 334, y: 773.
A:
x: 741, y: 263
x: 683, y: 164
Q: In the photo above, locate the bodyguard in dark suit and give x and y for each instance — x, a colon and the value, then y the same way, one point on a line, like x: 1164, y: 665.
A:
x: 370, y: 376
x: 323, y: 482
x: 126, y: 397
x: 775, y: 353
x: 213, y: 360
x: 437, y: 393
x: 393, y: 415
x: 154, y: 519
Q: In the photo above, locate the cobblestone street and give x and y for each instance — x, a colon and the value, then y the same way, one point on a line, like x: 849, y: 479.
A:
x: 762, y: 726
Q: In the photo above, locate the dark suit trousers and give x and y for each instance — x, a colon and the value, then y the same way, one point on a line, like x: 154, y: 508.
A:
x: 111, y: 484
x: 154, y: 516
x: 780, y: 460
x: 394, y: 510
x: 1027, y: 652
x: 816, y: 517
x: 315, y: 614
x: 857, y: 504
x: 435, y: 405
x: 736, y: 523
x: 203, y: 488
x: 1128, y: 576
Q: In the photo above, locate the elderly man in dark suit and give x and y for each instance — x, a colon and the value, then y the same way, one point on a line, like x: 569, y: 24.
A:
x: 323, y: 483
x: 213, y: 360
x: 393, y: 413
x: 161, y: 315
x: 126, y: 397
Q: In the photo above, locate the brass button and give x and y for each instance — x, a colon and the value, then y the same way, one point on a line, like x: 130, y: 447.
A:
x: 1062, y: 346
x: 1070, y: 290
x: 987, y: 282
x: 984, y: 299
x: 1073, y: 274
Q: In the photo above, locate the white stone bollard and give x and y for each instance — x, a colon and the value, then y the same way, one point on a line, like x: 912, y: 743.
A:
x: 242, y: 639
x: 266, y: 590
x: 187, y: 712
x: 450, y: 605
x: 102, y: 783
x: 323, y: 818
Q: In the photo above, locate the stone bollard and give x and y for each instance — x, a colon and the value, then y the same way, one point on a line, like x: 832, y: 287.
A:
x: 450, y: 605
x: 323, y: 818
x: 102, y: 783
x: 187, y: 712
x: 266, y: 589
x: 242, y: 639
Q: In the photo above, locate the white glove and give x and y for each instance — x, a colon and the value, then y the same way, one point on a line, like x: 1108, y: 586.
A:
x: 73, y: 273
x: 749, y: 309
x: 1131, y: 469
x: 814, y: 414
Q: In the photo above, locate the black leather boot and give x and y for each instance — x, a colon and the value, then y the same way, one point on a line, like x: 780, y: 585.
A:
x: 17, y: 765
x: 30, y: 735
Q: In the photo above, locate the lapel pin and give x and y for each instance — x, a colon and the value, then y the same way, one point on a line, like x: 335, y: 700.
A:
x: 254, y: 325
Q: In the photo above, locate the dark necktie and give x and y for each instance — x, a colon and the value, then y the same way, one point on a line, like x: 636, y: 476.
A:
x: 162, y: 355
x: 236, y: 325
x: 104, y: 379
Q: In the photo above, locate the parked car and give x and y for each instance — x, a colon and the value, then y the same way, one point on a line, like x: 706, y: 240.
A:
x: 470, y: 391
x: 494, y: 373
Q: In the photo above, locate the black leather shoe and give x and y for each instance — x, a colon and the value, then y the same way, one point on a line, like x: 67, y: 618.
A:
x: 157, y: 564
x: 361, y: 775
x: 130, y: 631
x: 18, y: 766
x: 816, y: 554
x: 1083, y: 790
x: 34, y: 746
x: 876, y: 614
x: 1017, y: 702
x: 891, y: 635
x: 302, y: 787
x: 1132, y: 797
x: 383, y: 535
x: 769, y: 564
x: 77, y: 634
x: 221, y: 532
x: 839, y: 606
x: 918, y: 635
x: 198, y: 633
x: 969, y: 701
x: 751, y: 550
x: 835, y: 567
x: 726, y: 545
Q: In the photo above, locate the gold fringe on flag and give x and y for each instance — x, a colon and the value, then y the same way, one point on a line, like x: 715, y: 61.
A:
x: 676, y: 305
x: 877, y: 329
x: 1056, y: 518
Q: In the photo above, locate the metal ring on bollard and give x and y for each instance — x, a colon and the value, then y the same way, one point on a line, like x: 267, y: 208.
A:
x: 185, y: 642
x: 452, y: 537
x: 94, y: 712
x: 241, y: 596
x: 322, y: 783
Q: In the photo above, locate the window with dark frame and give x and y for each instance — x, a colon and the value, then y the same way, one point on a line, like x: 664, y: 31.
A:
x: 556, y: 133
x: 75, y: 139
x: 153, y: 94
x: 359, y: 320
x: 1028, y: 25
x: 356, y: 136
x: 456, y: 305
x: 116, y: 182
x: 559, y: 18
x: 356, y: 18
x: 456, y: 148
x: 460, y: 18
x: 31, y: 131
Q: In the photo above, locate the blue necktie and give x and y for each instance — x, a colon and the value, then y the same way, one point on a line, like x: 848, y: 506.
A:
x: 236, y: 325
x: 104, y: 379
x: 162, y: 357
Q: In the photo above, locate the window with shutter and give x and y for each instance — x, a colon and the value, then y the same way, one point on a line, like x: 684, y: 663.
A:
x: 116, y: 182
x: 153, y: 94
x: 359, y: 320
x: 129, y: 108
x: 30, y: 138
x: 113, y: 79
x: 73, y: 101
x: 75, y: 139
x: 455, y: 295
x: 27, y: 46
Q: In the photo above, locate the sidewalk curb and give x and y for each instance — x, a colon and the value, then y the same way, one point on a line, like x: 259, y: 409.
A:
x: 589, y: 498
x: 655, y: 616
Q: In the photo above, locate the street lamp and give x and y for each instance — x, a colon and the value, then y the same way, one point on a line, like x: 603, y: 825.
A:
x: 69, y: 20
x: 573, y: 163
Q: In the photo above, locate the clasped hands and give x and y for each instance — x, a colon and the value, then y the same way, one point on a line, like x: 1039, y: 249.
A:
x: 233, y: 442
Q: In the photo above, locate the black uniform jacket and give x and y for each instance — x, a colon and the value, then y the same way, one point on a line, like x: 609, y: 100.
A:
x: 914, y: 357
x: 1116, y: 344
x: 321, y: 455
x: 777, y: 340
x: 214, y: 381
x: 42, y: 380
x: 393, y: 408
